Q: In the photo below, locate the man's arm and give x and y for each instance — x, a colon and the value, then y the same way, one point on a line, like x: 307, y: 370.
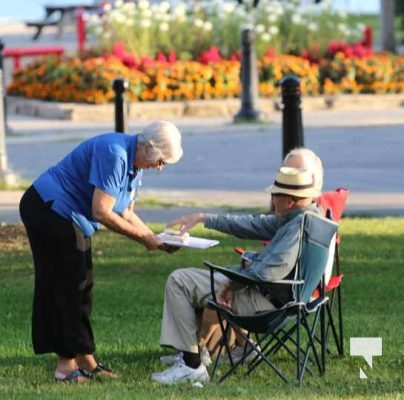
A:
x: 243, y: 226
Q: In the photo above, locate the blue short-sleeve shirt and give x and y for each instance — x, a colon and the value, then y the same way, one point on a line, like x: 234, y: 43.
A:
x: 105, y: 162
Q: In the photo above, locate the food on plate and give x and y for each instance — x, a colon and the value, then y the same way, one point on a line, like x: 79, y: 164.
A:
x: 171, y: 235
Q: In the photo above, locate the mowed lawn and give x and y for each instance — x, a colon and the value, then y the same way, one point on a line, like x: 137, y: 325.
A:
x: 128, y: 297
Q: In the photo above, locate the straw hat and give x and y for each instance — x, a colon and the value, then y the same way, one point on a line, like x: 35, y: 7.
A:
x: 294, y: 182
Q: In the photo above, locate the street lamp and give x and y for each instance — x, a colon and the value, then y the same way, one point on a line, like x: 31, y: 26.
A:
x: 249, y: 74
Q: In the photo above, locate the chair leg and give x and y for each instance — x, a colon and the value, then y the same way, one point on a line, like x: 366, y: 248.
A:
x: 340, y: 323
x: 323, y: 340
x: 311, y: 345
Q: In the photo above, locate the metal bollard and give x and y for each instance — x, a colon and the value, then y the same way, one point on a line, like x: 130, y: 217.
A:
x: 121, y: 107
x: 292, y: 127
x: 249, y: 78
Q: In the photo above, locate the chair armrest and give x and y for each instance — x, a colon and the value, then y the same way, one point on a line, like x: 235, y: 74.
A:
x: 233, y: 275
x: 248, y: 280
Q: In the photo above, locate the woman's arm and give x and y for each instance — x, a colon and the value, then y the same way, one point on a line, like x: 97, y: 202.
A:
x: 129, y: 224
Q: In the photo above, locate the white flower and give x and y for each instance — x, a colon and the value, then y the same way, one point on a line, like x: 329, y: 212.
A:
x: 143, y: 4
x: 360, y: 26
x: 342, y: 27
x: 164, y: 6
x: 266, y: 37
x: 145, y: 23
x: 128, y: 8
x: 296, y: 19
x: 273, y: 30
x: 117, y: 17
x: 147, y: 13
x: 179, y: 10
x: 272, y: 18
x: 198, y: 22
x: 260, y: 28
x: 118, y: 3
x: 93, y: 20
x: 207, y: 26
x: 228, y: 8
x: 312, y: 26
x: 164, y: 27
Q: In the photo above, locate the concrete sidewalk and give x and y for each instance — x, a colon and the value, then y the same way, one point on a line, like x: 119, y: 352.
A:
x: 180, y: 202
x: 367, y: 202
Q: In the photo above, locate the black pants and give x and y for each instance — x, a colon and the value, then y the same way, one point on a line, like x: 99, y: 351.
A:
x: 63, y: 280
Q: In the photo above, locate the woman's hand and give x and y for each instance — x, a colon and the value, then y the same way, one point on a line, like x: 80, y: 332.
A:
x: 187, y: 222
x: 168, y: 248
x: 225, y: 294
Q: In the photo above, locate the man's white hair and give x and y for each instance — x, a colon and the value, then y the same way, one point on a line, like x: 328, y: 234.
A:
x: 302, y: 157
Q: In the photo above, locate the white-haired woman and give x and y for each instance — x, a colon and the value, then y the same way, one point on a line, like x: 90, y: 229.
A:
x: 94, y: 184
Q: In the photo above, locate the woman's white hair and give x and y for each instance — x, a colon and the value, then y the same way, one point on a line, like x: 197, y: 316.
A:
x: 307, y: 159
x: 164, y: 140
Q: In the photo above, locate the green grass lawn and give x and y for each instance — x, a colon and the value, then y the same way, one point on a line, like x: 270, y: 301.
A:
x: 127, y: 311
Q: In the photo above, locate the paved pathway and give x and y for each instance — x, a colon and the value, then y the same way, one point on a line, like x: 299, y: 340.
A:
x: 226, y: 164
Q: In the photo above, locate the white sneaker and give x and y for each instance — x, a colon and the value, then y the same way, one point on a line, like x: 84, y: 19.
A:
x: 238, y: 353
x: 179, y: 373
x: 174, y: 358
x: 205, y: 357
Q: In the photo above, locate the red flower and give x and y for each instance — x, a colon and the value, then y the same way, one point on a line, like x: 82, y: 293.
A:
x: 210, y: 56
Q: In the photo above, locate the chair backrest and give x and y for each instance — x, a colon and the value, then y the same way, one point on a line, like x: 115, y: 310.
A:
x: 318, y: 233
x: 334, y: 201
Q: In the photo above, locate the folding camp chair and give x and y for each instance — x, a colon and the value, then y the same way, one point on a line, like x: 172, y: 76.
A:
x: 269, y: 328
x: 333, y: 203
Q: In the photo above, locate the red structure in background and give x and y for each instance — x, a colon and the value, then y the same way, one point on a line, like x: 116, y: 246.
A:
x: 367, y: 37
x: 80, y: 29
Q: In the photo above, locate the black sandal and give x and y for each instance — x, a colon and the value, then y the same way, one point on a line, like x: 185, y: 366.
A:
x: 101, y: 368
x: 75, y: 375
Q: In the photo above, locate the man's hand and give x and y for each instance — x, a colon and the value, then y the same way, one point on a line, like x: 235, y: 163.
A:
x: 225, y: 294
x: 186, y: 222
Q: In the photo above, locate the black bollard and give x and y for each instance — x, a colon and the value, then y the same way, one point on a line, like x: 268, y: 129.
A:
x: 121, y: 107
x: 292, y: 127
x: 249, y: 78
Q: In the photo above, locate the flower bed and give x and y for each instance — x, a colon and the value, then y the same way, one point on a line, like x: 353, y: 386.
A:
x: 89, y: 80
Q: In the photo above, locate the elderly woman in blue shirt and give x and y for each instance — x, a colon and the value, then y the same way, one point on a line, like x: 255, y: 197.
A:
x: 94, y: 184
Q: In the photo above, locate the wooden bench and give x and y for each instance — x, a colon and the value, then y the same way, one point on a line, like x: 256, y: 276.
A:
x: 39, y: 25
x: 18, y: 52
x: 57, y: 16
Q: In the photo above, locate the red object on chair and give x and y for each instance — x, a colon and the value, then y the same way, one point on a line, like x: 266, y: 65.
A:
x: 334, y: 203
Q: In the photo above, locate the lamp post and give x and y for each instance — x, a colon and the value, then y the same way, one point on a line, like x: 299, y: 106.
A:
x: 249, y: 74
x: 6, y: 176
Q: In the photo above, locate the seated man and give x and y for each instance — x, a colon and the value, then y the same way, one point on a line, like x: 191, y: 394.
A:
x: 211, y: 333
x: 187, y: 290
